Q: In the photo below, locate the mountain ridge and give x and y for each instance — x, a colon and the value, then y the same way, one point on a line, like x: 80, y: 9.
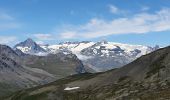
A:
x: 98, y: 56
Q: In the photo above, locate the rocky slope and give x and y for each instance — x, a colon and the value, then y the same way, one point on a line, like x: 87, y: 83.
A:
x: 147, y: 78
x: 59, y: 64
x: 19, y: 70
x: 14, y: 76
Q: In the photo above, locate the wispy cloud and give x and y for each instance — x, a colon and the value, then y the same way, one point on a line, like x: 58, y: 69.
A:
x: 7, y: 39
x: 5, y: 16
x: 7, y: 21
x: 41, y: 36
x: 113, y: 9
x: 145, y: 8
x: 137, y: 24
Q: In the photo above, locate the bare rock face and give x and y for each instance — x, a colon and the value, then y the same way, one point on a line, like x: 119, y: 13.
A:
x: 147, y: 78
x: 14, y: 75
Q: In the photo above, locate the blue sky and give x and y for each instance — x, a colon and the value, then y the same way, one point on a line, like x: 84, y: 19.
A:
x: 145, y: 22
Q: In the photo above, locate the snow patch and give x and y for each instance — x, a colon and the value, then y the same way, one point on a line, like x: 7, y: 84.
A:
x: 41, y: 54
x: 24, y: 49
x: 72, y: 88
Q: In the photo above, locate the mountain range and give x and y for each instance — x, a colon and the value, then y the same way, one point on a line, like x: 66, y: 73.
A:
x: 146, y: 78
x: 29, y: 64
x: 96, y: 56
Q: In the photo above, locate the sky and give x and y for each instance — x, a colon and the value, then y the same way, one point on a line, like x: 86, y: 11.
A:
x: 145, y: 22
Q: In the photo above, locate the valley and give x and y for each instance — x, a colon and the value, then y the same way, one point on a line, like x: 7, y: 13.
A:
x: 147, y: 78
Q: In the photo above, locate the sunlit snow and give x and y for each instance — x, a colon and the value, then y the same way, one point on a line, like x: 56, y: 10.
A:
x: 72, y: 88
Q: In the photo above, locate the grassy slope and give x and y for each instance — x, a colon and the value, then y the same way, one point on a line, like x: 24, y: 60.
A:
x: 55, y: 91
x: 143, y: 79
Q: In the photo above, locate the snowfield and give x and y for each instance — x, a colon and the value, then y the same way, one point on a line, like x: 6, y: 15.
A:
x: 72, y: 88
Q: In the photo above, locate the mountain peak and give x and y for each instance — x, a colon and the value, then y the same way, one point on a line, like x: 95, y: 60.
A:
x: 29, y: 47
x: 103, y: 42
x: 27, y: 43
x: 29, y: 40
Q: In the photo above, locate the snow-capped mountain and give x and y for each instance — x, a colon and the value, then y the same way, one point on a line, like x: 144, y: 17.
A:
x: 30, y: 47
x: 64, y: 59
x: 96, y: 56
x: 102, y: 55
x: 70, y: 47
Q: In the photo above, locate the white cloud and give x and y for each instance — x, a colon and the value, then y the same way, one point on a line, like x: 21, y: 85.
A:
x: 41, y: 36
x: 145, y: 8
x: 137, y: 24
x: 113, y: 9
x: 7, y: 39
